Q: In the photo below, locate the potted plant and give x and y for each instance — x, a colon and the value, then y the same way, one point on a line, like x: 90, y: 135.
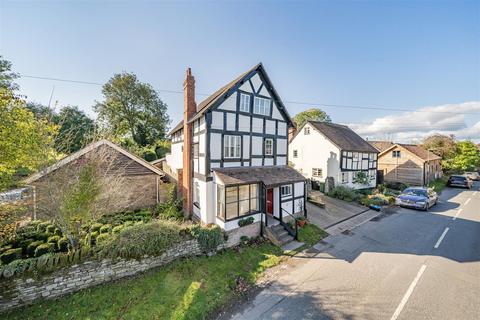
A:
x: 301, y: 221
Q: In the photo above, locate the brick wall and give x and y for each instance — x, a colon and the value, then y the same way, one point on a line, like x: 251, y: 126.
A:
x: 20, y: 291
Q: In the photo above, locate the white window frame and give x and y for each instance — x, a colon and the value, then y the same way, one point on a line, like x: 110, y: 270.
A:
x: 286, y: 190
x: 317, y: 172
x: 244, y: 102
x: 267, y: 151
x: 261, y: 106
x: 232, y: 146
x: 345, y: 177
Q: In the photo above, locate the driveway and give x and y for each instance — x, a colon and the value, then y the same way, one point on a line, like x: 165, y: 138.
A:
x: 407, y: 265
x: 335, y: 211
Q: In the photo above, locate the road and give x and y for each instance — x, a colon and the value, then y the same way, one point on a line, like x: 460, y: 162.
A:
x: 407, y: 265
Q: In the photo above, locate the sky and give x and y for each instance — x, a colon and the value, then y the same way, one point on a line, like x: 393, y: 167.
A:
x: 396, y: 70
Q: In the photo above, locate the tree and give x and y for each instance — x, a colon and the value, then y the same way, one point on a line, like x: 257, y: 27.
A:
x: 132, y: 108
x: 40, y: 111
x: 7, y: 77
x: 467, y: 157
x: 23, y: 138
x: 314, y: 114
x: 442, y: 145
x: 76, y: 129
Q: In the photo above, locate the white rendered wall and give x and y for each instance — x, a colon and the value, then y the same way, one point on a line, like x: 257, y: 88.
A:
x: 175, y: 157
x: 314, y: 151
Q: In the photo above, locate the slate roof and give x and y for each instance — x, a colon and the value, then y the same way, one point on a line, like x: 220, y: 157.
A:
x: 343, y: 137
x: 224, y: 92
x: 271, y: 176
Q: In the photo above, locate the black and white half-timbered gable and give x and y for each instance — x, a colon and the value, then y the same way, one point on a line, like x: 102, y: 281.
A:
x: 319, y: 150
x: 239, y: 154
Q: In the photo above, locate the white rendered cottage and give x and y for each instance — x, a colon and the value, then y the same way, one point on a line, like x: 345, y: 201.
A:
x: 319, y: 150
x: 230, y: 153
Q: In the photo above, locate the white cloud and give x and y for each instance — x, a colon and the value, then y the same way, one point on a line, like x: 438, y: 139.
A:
x: 413, y: 126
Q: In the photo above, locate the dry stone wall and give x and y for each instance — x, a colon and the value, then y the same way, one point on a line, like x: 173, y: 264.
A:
x: 20, y: 291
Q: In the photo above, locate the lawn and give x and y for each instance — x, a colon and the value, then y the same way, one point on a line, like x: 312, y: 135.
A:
x: 310, y: 234
x: 187, y: 289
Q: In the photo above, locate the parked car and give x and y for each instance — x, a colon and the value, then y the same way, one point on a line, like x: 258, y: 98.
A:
x: 417, y: 197
x: 459, y: 181
x: 474, y: 176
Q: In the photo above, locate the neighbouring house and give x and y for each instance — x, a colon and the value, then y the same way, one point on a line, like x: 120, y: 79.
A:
x: 229, y: 154
x: 407, y: 163
x: 319, y: 150
x: 129, y: 181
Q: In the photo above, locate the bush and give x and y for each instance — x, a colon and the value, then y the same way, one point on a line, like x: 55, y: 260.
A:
x: 5, y: 248
x: 42, y: 227
x: 41, y: 236
x: 63, y: 244
x: 11, y: 255
x: 103, y: 238
x: 31, y: 248
x: 128, y: 224
x: 57, y: 232
x: 171, y: 212
x: 106, y: 228
x: 345, y: 193
x: 43, y: 249
x: 24, y: 244
x: 149, y: 155
x: 151, y: 239
x: 209, y: 238
x: 54, y: 240
x: 396, y: 185
x: 246, y: 221
x: 50, y: 229
x: 96, y: 227
x: 117, y: 229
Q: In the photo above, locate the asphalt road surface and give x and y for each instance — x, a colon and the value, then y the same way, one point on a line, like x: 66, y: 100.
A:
x: 406, y: 265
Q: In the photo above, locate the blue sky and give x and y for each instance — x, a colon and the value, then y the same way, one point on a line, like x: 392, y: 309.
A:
x: 397, y: 54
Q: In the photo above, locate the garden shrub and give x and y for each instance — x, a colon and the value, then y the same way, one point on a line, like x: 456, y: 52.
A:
x: 171, y: 212
x: 63, y: 244
x: 106, y: 228
x: 53, y: 239
x: 396, y: 185
x: 149, y: 155
x: 151, y: 239
x: 11, y: 255
x: 31, y: 248
x: 117, y: 229
x: 42, y: 227
x: 103, y: 238
x: 246, y: 221
x: 50, y: 229
x: 209, y: 237
x: 128, y: 224
x: 24, y: 244
x: 43, y: 248
x: 41, y: 236
x: 345, y: 193
x: 57, y: 232
x: 5, y: 248
x: 96, y: 227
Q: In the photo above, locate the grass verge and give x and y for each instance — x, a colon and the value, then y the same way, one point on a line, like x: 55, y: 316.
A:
x: 439, y: 184
x: 187, y: 289
x: 310, y: 234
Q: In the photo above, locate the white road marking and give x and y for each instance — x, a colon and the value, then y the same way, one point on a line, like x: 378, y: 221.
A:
x: 441, y: 238
x: 468, y: 200
x: 475, y: 193
x: 456, y: 215
x: 408, y: 293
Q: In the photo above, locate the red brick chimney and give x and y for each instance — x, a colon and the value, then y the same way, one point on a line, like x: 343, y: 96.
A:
x: 189, y: 110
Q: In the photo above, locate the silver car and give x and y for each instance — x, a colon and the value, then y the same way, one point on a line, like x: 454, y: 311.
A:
x: 417, y: 198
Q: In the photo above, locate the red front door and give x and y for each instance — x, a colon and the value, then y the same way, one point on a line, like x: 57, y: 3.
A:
x: 270, y: 201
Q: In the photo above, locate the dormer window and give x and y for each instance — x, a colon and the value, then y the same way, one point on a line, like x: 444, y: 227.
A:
x: 244, y: 102
x: 261, y: 106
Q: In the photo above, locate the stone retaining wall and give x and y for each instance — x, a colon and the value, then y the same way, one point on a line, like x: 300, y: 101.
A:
x: 20, y: 291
